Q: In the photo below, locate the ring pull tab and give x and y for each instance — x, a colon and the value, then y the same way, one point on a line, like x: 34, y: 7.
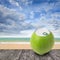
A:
x: 44, y: 33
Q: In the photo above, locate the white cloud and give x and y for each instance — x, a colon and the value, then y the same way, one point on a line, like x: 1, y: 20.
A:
x: 47, y: 6
x: 12, y: 23
x: 31, y: 15
x: 52, y: 6
x: 26, y: 23
x: 26, y: 2
x: 13, y: 20
x: 2, y: 24
x: 35, y: 25
x: 38, y: 23
x: 43, y: 20
x: 27, y: 31
x: 22, y: 16
x: 12, y: 12
x: 55, y: 15
x: 57, y: 4
x: 12, y: 17
x: 13, y: 2
x: 20, y: 8
x: 6, y: 11
x: 9, y: 26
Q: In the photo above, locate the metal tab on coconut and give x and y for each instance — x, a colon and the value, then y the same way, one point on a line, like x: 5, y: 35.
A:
x: 42, y: 32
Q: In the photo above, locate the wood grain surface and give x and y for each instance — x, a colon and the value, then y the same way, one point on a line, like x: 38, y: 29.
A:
x: 28, y: 54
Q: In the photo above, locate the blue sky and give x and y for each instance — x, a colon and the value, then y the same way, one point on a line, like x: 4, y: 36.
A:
x: 18, y: 15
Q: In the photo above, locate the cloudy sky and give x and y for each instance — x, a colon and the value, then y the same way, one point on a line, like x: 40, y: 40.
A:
x: 18, y: 16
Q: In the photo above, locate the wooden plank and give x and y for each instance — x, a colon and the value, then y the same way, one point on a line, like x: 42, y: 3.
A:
x: 28, y: 54
x: 9, y: 54
x: 22, y: 46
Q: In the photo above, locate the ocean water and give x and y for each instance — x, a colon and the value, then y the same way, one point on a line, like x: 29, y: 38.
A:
x: 21, y: 39
x: 14, y: 39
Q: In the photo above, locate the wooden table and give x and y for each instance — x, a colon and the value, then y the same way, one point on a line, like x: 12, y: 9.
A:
x: 24, y: 52
x: 28, y: 54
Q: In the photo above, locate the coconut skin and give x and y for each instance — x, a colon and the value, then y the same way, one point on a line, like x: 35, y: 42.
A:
x: 42, y: 44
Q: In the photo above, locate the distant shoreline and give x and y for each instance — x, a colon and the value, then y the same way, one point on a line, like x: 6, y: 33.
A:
x: 20, y: 39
